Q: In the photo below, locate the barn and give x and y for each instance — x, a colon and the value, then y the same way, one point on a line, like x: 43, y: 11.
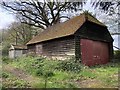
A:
x: 17, y: 51
x: 83, y: 36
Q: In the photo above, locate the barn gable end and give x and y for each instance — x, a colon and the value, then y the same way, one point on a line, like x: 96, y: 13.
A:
x: 94, y: 32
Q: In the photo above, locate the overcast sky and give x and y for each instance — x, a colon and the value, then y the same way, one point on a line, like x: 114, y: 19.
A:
x: 6, y: 19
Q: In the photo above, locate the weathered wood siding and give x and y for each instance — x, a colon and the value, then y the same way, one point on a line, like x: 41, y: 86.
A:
x: 39, y: 49
x: 31, y: 48
x: 16, y: 53
x: 58, y: 48
x: 77, y: 49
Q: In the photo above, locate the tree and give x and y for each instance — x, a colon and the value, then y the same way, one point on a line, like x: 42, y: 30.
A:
x: 5, y: 42
x: 21, y: 33
x: 17, y: 34
x: 42, y: 14
x: 108, y: 6
x: 110, y: 14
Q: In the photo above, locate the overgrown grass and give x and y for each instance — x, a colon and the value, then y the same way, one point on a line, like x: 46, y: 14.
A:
x: 10, y: 81
x: 66, y: 74
x: 108, y: 74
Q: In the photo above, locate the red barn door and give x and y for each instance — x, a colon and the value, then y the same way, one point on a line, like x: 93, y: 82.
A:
x: 94, y: 52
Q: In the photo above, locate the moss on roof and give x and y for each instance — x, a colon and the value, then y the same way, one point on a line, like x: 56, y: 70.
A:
x: 66, y: 28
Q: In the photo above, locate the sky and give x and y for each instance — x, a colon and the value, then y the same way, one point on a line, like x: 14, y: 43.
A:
x: 6, y: 19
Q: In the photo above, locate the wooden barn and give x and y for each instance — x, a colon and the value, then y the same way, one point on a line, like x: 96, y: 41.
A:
x: 83, y: 36
x: 17, y: 51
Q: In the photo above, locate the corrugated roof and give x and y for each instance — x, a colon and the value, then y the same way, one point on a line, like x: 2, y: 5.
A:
x: 66, y: 28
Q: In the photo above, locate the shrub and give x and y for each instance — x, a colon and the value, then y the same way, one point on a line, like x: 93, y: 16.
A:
x: 117, y: 54
x: 37, y: 62
x: 39, y: 72
x: 70, y: 65
x: 6, y: 59
x: 48, y: 74
x: 38, y: 66
x: 5, y: 49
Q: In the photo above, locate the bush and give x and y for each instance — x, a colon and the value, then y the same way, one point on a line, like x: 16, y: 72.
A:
x: 5, y: 49
x: 6, y: 59
x: 38, y: 66
x: 48, y: 74
x: 70, y: 65
x: 117, y: 54
x: 39, y: 72
x: 44, y: 67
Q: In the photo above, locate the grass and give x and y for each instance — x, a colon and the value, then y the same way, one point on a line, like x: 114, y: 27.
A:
x: 66, y: 74
x: 10, y: 80
x: 108, y: 74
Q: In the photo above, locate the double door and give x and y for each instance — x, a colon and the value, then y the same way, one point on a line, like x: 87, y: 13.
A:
x: 94, y: 52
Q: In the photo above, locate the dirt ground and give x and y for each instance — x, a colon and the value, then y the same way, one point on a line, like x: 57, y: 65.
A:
x: 20, y: 74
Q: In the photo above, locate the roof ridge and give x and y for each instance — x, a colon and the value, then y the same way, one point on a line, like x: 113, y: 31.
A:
x: 97, y: 21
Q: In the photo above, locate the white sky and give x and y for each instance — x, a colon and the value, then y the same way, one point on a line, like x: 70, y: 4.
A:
x: 6, y: 19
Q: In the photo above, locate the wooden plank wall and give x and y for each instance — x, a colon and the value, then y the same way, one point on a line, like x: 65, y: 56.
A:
x: 38, y: 49
x: 77, y: 49
x: 31, y: 49
x: 59, y: 48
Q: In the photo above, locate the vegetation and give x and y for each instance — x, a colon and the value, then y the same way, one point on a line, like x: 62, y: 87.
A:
x: 117, y: 54
x: 63, y: 74
x: 51, y: 73
x: 70, y: 65
x: 11, y: 81
x: 32, y: 17
x: 19, y: 33
x: 6, y: 59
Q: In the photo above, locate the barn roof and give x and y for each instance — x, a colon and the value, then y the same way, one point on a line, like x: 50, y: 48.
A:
x: 17, y: 47
x: 66, y: 28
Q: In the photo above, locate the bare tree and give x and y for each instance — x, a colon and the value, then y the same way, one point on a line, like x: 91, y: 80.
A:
x: 42, y: 14
x: 111, y: 10
x: 108, y: 6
